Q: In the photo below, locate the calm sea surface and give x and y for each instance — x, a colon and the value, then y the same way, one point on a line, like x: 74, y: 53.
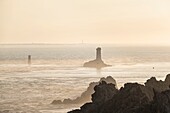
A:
x: 56, y: 72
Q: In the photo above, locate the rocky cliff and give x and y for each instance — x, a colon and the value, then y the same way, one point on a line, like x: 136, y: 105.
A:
x: 153, y: 97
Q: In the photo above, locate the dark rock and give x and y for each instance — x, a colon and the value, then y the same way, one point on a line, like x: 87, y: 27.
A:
x: 90, y: 108
x: 167, y: 80
x: 75, y: 111
x: 160, y: 104
x: 103, y: 92
x: 108, y: 79
x: 154, y: 97
x: 128, y: 98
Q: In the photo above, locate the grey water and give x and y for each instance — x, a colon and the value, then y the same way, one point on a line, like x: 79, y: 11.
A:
x: 57, y: 72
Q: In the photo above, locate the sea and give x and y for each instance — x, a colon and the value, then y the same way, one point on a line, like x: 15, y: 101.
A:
x: 56, y: 72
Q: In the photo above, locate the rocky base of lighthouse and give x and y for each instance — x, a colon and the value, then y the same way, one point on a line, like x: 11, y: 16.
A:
x: 98, y: 62
x: 95, y: 64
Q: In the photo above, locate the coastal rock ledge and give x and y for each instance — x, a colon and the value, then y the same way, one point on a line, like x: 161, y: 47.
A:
x: 153, y: 97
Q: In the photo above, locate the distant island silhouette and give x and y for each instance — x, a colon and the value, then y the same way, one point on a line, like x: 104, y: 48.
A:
x: 98, y: 62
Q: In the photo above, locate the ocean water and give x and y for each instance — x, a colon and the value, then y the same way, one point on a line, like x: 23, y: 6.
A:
x: 57, y: 73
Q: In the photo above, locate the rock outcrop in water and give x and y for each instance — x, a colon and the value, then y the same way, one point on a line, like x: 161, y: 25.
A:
x: 98, y: 62
x: 86, y: 96
x: 154, y: 97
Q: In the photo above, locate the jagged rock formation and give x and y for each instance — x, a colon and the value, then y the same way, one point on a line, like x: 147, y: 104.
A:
x: 159, y: 86
x: 128, y: 98
x: 86, y: 96
x: 132, y: 98
x: 103, y: 93
x: 98, y: 62
x: 160, y: 104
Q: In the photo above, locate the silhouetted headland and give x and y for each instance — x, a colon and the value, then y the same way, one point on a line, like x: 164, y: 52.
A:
x: 153, y: 97
x: 98, y: 62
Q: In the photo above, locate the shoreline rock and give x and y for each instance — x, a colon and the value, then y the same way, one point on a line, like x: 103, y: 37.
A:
x: 153, y: 97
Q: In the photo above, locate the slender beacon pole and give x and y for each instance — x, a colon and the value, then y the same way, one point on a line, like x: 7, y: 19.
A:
x: 29, y: 59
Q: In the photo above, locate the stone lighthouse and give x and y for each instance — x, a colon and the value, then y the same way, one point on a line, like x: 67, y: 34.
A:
x: 98, y: 62
x: 98, y: 54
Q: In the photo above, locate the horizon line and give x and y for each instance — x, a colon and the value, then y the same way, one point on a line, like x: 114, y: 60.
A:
x: 116, y: 44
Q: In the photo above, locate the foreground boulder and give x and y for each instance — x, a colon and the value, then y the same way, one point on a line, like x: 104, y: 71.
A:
x: 86, y: 96
x: 133, y: 95
x: 103, y: 92
x: 160, y: 104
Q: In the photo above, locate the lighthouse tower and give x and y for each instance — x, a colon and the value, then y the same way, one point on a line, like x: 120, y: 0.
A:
x: 98, y: 62
x: 98, y: 54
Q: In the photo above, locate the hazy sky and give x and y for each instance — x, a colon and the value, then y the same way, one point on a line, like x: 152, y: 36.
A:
x: 93, y: 21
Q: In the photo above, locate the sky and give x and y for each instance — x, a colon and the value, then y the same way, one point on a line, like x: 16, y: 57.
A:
x: 138, y: 22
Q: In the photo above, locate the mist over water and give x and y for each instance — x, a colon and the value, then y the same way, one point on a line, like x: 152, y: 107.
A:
x: 56, y: 72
